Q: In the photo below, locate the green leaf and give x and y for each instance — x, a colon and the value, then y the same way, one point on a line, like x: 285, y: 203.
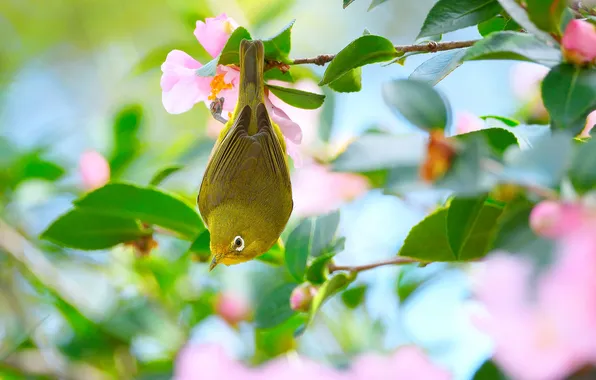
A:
x: 546, y: 14
x: 411, y: 278
x: 362, y: 51
x: 497, y: 24
x: 499, y: 139
x: 418, y: 102
x: 200, y: 247
x: 505, y: 120
x: 513, y: 46
x: 326, y: 291
x: 230, y: 55
x: 82, y: 229
x: 375, y: 3
x: 347, y: 2
x: 127, y: 126
x: 471, y: 225
x: 209, y: 69
x: 325, y: 234
x: 297, y: 98
x: 569, y: 95
x: 449, y: 15
x: 274, y: 308
x: 163, y: 174
x: 354, y: 297
x: 375, y: 151
x: 434, y: 69
x: 275, y: 255
x: 327, y: 117
x: 520, y: 16
x: 270, y: 343
x: 349, y: 82
x: 583, y: 167
x: 146, y: 204
x: 276, y: 74
x: 489, y: 371
x: 278, y: 48
x: 33, y: 166
x: 318, y: 269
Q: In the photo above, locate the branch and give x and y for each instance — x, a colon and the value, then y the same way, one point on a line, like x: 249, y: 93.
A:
x: 430, y: 47
x: 360, y: 268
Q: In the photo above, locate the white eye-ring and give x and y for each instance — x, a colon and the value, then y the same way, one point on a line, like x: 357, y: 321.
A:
x: 238, y: 243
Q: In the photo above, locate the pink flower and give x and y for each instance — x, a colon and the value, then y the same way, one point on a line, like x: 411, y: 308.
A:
x: 302, y: 296
x: 208, y: 362
x: 317, y: 190
x: 590, y: 123
x: 553, y: 219
x: 182, y: 88
x: 232, y: 308
x: 94, y: 169
x: 408, y: 362
x: 526, y: 79
x: 579, y: 42
x: 467, y: 122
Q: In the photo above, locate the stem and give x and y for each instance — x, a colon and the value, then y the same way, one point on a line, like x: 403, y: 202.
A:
x: 430, y: 47
x: 360, y: 268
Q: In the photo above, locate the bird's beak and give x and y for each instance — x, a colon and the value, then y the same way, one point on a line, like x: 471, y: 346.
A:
x: 214, y: 262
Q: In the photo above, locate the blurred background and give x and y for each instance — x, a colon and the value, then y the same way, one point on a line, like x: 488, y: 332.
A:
x: 83, y: 75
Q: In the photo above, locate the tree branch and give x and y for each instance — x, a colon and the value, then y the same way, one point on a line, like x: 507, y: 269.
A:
x: 393, y: 261
x: 430, y: 47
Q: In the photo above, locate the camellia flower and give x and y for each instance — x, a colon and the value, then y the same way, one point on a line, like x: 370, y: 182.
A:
x: 526, y: 78
x: 182, y: 88
x: 579, y: 42
x: 232, y: 308
x: 211, y: 362
x: 553, y: 219
x: 94, y: 169
x: 302, y: 296
x: 466, y: 122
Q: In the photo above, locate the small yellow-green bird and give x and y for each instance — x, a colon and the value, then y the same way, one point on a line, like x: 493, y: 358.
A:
x: 245, y: 198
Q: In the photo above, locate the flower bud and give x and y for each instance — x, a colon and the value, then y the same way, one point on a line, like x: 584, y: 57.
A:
x: 232, y: 308
x: 590, y: 123
x: 552, y: 219
x: 94, y: 169
x: 302, y: 296
x: 579, y: 42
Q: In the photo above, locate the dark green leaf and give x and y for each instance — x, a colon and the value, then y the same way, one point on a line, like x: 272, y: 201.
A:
x: 325, y: 234
x: 209, y: 69
x: 418, y: 102
x: 127, y: 125
x: 163, y: 174
x: 489, y: 371
x: 271, y: 343
x: 520, y: 16
x: 297, y: 98
x: 298, y: 247
x: 449, y: 15
x: 353, y: 297
x: 274, y: 307
x: 318, y: 270
x: 146, y: 204
x: 546, y: 14
x: 499, y: 139
x: 583, y: 167
x: 497, y: 24
x: 566, y: 18
x: 200, y: 247
x: 82, y: 229
x: 33, y: 166
x: 375, y: 3
x: 326, y: 291
x: 349, y: 82
x: 505, y: 120
x: 382, y: 151
x: 569, y: 94
x: 327, y: 116
x: 434, y: 69
x: 278, y: 47
x: 362, y: 51
x: 230, y: 55
x: 276, y: 74
x: 411, y: 278
x: 471, y: 225
x: 513, y: 46
x: 347, y: 2
x: 274, y: 256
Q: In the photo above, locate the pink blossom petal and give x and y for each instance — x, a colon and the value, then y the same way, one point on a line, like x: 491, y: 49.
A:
x: 208, y: 362
x: 526, y: 78
x: 294, y: 152
x: 289, y: 129
x: 553, y: 219
x: 181, y: 87
x: 467, y: 122
x: 232, y: 308
x: 94, y: 170
x: 299, y: 368
x: 214, y: 33
x: 590, y: 123
x: 579, y: 42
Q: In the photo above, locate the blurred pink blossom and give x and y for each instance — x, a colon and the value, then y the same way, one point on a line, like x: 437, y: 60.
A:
x: 590, y: 123
x: 211, y: 362
x: 302, y: 296
x: 94, y: 169
x: 554, y: 219
x: 232, y: 308
x: 317, y: 190
x: 526, y: 79
x: 579, y: 42
x: 466, y: 122
x: 182, y: 88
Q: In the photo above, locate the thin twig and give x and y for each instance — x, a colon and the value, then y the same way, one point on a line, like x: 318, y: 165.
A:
x: 430, y: 47
x: 359, y: 268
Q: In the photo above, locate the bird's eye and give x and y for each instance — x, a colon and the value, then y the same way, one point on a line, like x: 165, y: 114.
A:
x: 238, y: 243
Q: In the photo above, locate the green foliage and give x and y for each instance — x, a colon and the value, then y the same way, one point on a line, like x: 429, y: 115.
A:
x: 200, y: 247
x: 489, y: 371
x: 449, y: 15
x: 583, y: 167
x: 364, y: 50
x: 210, y: 68
x: 354, y: 296
x: 126, y: 131
x: 277, y: 48
x: 546, y: 14
x: 230, y: 54
x: 375, y: 3
x: 349, y: 82
x: 569, y: 95
x: 318, y: 270
x: 497, y: 24
x: 274, y: 307
x: 297, y: 98
x: 418, y: 102
x: 163, y: 174
x: 436, y: 68
x: 332, y: 286
x: 520, y: 16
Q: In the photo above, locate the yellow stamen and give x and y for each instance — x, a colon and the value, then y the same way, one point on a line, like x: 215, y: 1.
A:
x: 217, y: 85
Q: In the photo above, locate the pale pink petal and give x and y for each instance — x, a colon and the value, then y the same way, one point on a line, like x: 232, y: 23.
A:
x: 590, y: 123
x: 316, y: 190
x: 214, y: 33
x: 297, y: 368
x: 208, y: 362
x: 302, y: 296
x: 289, y: 129
x: 181, y: 87
x: 231, y: 76
x: 554, y: 219
x: 294, y: 152
x: 232, y: 308
x: 94, y: 169
x: 526, y: 78
x: 467, y: 122
x: 579, y: 42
